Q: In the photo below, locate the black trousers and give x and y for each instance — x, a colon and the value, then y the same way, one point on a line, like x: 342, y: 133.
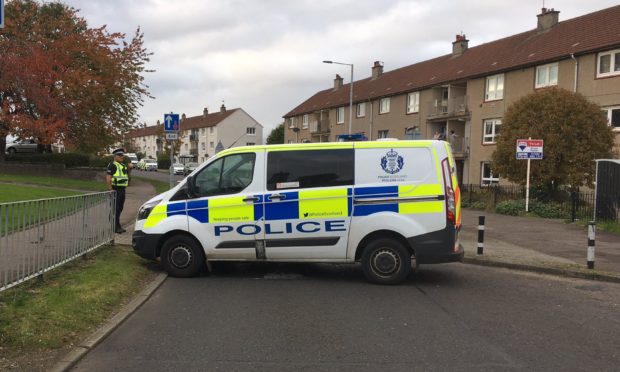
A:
x: 120, y: 202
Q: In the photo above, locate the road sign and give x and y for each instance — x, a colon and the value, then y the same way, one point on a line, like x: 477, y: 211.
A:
x: 172, y: 136
x: 171, y: 122
x: 529, y: 149
x: 1, y: 13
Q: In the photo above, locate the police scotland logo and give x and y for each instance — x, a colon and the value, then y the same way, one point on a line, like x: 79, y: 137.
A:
x: 392, y: 162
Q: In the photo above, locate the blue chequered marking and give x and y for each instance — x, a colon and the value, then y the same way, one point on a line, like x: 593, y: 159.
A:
x: 349, y: 201
x: 199, y: 210
x: 379, y: 191
x: 258, y: 207
x: 365, y: 210
x: 176, y: 209
x: 286, y: 209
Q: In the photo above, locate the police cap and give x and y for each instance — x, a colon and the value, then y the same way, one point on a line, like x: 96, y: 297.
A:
x: 118, y: 152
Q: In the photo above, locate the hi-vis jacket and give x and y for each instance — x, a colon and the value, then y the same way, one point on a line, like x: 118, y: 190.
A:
x: 311, y: 202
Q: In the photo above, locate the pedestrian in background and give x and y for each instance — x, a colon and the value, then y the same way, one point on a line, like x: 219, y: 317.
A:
x: 117, y: 179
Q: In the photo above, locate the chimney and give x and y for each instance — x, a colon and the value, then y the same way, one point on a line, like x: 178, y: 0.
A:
x: 547, y: 19
x: 205, y: 112
x: 158, y: 122
x: 222, y: 108
x: 377, y: 69
x: 459, y: 46
x: 337, y: 82
x: 183, y: 116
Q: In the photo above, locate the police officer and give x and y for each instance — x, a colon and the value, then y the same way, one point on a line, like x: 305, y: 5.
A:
x: 117, y: 178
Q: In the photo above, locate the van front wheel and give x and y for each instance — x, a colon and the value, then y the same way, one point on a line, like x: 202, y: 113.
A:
x: 386, y: 261
x: 182, y: 257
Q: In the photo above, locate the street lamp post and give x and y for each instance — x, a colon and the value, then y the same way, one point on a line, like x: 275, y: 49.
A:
x: 350, y: 91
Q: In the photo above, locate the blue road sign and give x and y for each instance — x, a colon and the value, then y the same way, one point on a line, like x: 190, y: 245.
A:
x: 1, y: 13
x: 171, y: 122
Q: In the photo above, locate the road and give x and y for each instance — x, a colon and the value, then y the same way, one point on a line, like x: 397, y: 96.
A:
x: 159, y: 176
x: 313, y: 317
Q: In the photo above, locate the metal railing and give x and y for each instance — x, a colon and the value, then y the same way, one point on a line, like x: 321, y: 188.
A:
x: 449, y: 107
x: 39, y: 235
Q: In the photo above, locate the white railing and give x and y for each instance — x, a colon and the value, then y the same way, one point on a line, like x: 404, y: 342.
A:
x: 39, y: 235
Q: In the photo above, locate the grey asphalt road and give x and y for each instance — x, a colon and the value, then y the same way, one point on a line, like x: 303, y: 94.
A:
x: 327, y: 318
x: 160, y: 176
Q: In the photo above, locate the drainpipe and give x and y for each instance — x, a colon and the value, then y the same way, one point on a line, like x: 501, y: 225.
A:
x: 371, y: 119
x: 572, y: 56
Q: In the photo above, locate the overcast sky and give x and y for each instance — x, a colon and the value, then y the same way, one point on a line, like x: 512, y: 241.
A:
x: 265, y: 55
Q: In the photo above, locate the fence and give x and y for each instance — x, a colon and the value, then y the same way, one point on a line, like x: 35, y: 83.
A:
x: 39, y: 235
x: 566, y: 204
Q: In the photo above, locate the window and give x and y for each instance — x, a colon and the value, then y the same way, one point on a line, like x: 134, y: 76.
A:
x: 384, y: 105
x: 495, y: 88
x: 491, y: 130
x: 292, y: 122
x: 382, y: 134
x: 250, y: 143
x: 204, y: 146
x: 413, y: 102
x: 211, y: 145
x: 228, y: 175
x: 361, y: 110
x: 613, y: 117
x: 250, y: 131
x: 321, y: 168
x: 290, y: 141
x: 488, y: 178
x: 210, y: 130
x: 546, y: 75
x: 609, y: 63
x: 186, y: 147
x: 340, y: 115
x: 304, y: 122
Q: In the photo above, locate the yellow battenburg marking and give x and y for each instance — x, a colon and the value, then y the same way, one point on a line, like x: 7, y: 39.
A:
x: 158, y: 213
x: 419, y: 191
x: 391, y: 144
x: 323, y: 203
x: 230, y: 209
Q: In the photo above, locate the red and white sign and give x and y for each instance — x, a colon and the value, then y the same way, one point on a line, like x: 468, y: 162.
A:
x: 529, y: 149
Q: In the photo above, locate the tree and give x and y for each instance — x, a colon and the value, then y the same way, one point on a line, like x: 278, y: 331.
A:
x: 575, y: 133
x: 61, y: 80
x: 276, y: 136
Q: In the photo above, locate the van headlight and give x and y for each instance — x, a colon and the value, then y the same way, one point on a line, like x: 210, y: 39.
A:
x: 146, y: 209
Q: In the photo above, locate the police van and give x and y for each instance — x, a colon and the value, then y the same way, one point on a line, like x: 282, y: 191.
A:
x: 387, y: 205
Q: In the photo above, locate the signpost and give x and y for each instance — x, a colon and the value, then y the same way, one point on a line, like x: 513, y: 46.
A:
x: 171, y: 128
x: 529, y: 149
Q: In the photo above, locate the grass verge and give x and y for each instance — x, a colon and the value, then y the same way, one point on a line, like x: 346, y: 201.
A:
x: 159, y: 186
x: 12, y: 193
x: 55, y: 182
x: 46, y: 317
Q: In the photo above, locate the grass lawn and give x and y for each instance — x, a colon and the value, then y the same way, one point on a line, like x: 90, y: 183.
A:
x: 55, y: 182
x: 38, y: 320
x: 12, y: 193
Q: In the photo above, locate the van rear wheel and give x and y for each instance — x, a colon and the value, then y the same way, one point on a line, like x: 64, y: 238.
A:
x: 386, y: 261
x: 182, y: 256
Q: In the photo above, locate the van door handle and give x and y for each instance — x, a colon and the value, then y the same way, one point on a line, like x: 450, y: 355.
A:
x: 277, y: 197
x: 251, y: 199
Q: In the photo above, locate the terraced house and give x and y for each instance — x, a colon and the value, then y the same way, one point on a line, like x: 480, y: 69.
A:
x: 203, y: 135
x: 463, y: 95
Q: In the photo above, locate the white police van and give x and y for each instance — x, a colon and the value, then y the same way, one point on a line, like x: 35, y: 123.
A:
x: 378, y: 203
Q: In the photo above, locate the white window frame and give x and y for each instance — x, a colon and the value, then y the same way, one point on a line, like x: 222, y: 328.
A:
x: 250, y: 131
x: 488, y: 139
x: 360, y: 111
x: 544, y: 71
x: 384, y: 105
x: 609, y: 111
x: 340, y: 115
x: 210, y: 130
x: 614, y: 69
x: 492, y: 179
x: 492, y: 93
x: 384, y: 133
x: 304, y: 122
x: 211, y: 145
x: 292, y: 122
x: 413, y: 102
x: 291, y: 141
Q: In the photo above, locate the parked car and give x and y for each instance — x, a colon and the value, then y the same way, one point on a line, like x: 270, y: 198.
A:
x: 190, y: 167
x: 141, y: 164
x: 133, y: 157
x: 178, y: 168
x: 150, y: 164
x: 22, y: 146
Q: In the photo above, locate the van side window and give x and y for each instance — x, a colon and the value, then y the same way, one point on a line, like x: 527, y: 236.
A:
x: 309, y: 168
x: 228, y: 175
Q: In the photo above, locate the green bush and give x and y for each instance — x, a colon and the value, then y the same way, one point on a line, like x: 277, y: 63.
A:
x: 478, y: 204
x: 547, y: 210
x: 163, y: 162
x: 510, y: 207
x: 100, y: 162
x: 69, y: 159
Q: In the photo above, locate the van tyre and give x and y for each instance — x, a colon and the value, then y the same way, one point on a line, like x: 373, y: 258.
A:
x: 182, y: 256
x: 386, y: 261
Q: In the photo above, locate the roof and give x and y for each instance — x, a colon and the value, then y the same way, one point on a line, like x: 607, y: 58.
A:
x: 193, y: 122
x: 582, y: 35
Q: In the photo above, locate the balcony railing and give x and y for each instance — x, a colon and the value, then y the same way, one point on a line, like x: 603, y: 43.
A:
x: 193, y: 137
x: 460, y: 146
x: 449, y: 107
x: 319, y: 127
